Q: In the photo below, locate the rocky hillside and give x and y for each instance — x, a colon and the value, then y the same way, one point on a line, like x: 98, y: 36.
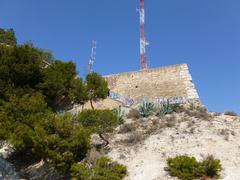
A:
x: 144, y: 144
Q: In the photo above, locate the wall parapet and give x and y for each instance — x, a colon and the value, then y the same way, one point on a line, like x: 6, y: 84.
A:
x: 157, y: 83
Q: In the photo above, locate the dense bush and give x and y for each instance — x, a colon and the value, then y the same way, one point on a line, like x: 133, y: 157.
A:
x: 61, y: 87
x: 97, y: 87
x: 188, y: 168
x: 99, y: 121
x: 212, y: 167
x: 28, y: 124
x: 104, y: 169
x: 31, y: 93
x: 229, y: 113
x: 8, y: 37
x: 80, y: 171
x: 60, y: 141
x: 20, y: 70
x: 184, y: 167
x: 19, y: 117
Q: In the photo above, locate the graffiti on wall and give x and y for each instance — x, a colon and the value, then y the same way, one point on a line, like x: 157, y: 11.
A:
x: 172, y: 100
x: 157, y: 101
x: 127, y: 101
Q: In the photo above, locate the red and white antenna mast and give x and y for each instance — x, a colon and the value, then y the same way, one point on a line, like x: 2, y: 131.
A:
x: 143, y: 41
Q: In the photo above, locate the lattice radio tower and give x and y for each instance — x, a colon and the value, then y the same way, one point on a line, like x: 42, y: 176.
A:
x: 143, y: 42
x: 92, y: 56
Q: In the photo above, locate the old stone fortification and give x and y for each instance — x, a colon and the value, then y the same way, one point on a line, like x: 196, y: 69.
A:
x: 156, y: 85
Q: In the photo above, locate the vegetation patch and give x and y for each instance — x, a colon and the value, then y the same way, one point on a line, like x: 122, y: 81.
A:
x: 198, y: 112
x: 98, y: 121
x: 146, y: 108
x: 126, y: 128
x: 120, y: 114
x: 230, y: 113
x: 36, y: 90
x: 133, y: 139
x: 188, y: 168
x: 104, y: 169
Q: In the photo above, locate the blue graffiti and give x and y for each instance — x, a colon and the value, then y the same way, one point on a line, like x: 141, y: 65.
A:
x: 126, y: 101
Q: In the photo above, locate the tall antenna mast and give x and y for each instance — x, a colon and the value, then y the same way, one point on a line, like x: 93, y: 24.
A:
x: 92, y: 56
x: 143, y: 41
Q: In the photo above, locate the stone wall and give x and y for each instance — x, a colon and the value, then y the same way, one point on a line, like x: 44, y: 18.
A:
x: 157, y: 84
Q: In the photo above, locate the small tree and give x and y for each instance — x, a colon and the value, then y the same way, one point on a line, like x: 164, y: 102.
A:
x: 97, y: 87
x: 8, y: 37
x: 99, y: 121
x: 61, y: 86
x: 60, y: 142
x: 19, y: 116
x: 79, y: 91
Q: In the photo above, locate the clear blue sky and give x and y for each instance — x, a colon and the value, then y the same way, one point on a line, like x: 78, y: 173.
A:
x: 205, y: 34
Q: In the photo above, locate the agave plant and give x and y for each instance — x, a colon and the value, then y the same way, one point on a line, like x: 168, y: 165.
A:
x: 120, y: 114
x: 165, y: 108
x: 146, y: 108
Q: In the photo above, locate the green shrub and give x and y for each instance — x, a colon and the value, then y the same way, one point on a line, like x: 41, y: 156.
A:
x: 19, y: 116
x: 183, y: 167
x: 104, y: 169
x: 120, y: 114
x: 187, y: 168
x: 229, y: 113
x: 80, y: 171
x: 146, y: 108
x: 60, y: 141
x: 8, y: 37
x: 28, y: 124
x: 165, y: 108
x: 97, y: 87
x: 212, y: 167
x: 99, y: 121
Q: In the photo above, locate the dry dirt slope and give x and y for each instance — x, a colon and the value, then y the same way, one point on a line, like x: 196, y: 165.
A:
x: 218, y: 136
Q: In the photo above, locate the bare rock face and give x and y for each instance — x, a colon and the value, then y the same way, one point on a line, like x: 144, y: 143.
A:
x: 145, y: 145
x: 5, y: 150
x: 38, y: 171
x: 7, y: 170
x: 33, y: 169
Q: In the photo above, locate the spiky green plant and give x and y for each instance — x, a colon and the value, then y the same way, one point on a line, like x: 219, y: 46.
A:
x: 120, y: 114
x: 165, y: 108
x: 146, y: 108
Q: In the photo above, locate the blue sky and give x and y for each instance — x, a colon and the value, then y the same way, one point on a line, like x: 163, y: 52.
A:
x: 205, y: 34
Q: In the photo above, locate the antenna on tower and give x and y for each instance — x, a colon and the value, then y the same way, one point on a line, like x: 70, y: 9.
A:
x: 143, y: 41
x: 92, y: 56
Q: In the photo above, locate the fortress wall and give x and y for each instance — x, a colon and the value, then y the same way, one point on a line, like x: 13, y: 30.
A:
x: 152, y: 84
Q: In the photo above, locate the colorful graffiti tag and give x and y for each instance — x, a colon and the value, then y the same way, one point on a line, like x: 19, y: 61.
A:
x: 125, y: 100
x: 172, y: 100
